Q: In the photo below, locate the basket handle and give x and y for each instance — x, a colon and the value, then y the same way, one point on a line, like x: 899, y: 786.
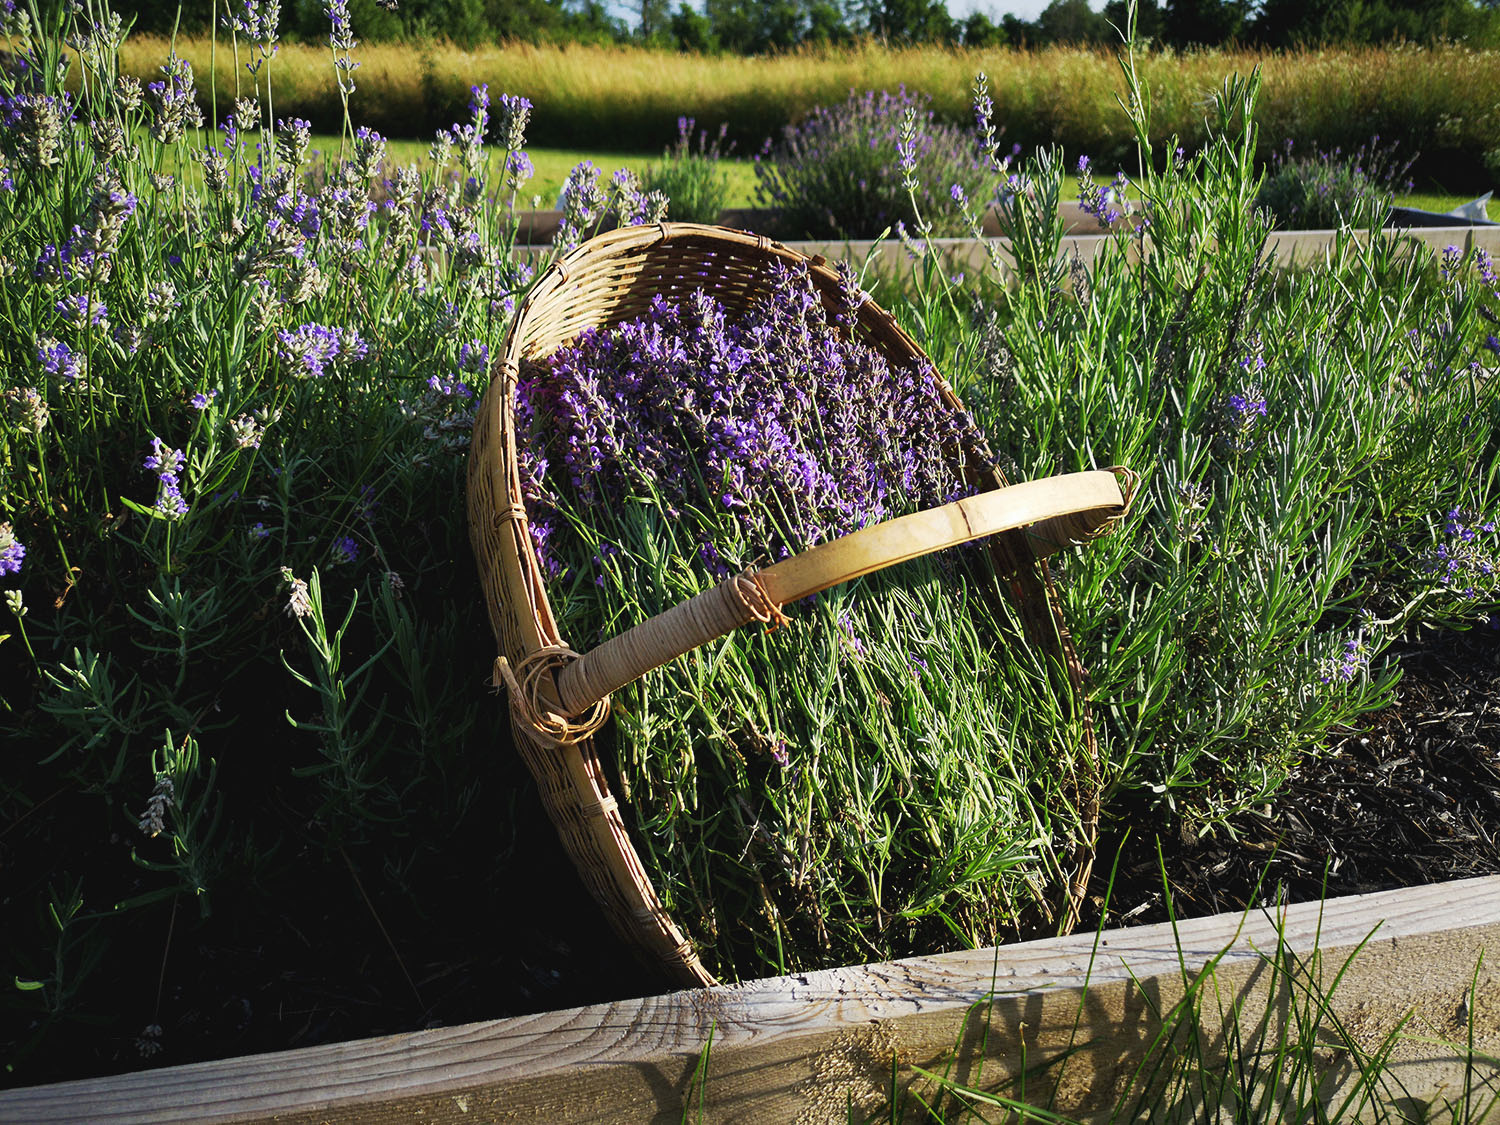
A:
x: 1056, y: 512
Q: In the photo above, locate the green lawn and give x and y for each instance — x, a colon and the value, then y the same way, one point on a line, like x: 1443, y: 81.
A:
x: 553, y: 164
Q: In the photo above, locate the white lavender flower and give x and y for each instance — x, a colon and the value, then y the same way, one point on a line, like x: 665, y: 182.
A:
x: 1192, y: 510
x: 40, y: 128
x: 245, y: 431
x: 341, y: 39
x: 369, y: 151
x: 257, y: 20
x: 161, y: 300
x: 296, y: 135
x: 153, y: 821
x: 248, y: 431
x: 215, y: 170
x: 511, y: 121
x: 148, y: 1042
x: 302, y: 280
x: 128, y: 93
x: 129, y: 337
x: 299, y: 602
x: 27, y: 408
x: 102, y: 42
x: 260, y: 314
x: 402, y: 209
x: 107, y: 139
x: 246, y: 114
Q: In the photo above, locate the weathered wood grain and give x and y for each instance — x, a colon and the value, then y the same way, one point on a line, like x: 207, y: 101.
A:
x: 801, y: 1048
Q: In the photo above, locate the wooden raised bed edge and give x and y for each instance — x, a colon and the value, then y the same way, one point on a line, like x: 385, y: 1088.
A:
x: 539, y: 227
x: 800, y: 1048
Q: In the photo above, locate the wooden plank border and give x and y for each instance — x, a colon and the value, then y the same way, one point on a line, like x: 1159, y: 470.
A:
x: 801, y: 1048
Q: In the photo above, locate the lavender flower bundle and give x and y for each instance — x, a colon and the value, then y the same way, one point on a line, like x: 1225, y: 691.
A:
x: 852, y: 787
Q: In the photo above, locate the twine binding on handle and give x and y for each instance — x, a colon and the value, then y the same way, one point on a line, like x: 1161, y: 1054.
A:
x: 759, y: 604
x: 524, y: 683
x: 1130, y: 484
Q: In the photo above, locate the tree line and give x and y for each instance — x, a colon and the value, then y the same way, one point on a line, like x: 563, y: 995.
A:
x: 752, y: 27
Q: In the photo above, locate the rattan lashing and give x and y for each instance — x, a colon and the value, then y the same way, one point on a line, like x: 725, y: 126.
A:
x: 607, y: 281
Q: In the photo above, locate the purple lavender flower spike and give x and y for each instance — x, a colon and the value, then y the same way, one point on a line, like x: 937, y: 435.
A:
x: 776, y: 403
x: 12, y: 551
x: 166, y: 463
x: 344, y: 550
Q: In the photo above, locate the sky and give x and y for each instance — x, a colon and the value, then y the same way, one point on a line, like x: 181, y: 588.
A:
x: 1025, y: 9
x: 958, y: 9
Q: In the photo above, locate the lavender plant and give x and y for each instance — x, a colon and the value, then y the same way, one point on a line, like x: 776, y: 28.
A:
x: 1327, y: 189
x: 202, y: 386
x: 689, y: 175
x: 840, y: 172
x: 1318, y: 446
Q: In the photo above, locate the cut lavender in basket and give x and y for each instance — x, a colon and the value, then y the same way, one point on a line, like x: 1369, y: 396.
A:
x: 776, y: 422
x: 847, y: 787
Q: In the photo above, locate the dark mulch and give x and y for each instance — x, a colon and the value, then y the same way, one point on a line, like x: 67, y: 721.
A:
x: 1413, y: 800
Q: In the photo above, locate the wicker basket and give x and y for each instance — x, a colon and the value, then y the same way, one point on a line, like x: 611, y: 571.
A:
x: 559, y: 699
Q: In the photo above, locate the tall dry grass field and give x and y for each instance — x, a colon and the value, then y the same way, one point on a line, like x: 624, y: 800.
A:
x: 1443, y: 101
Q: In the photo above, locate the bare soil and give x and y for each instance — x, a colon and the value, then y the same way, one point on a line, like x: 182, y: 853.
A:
x: 1413, y: 800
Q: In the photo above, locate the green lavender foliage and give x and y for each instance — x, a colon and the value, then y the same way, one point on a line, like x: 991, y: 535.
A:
x: 891, y: 776
x: 690, y: 176
x: 210, y: 396
x: 1316, y: 447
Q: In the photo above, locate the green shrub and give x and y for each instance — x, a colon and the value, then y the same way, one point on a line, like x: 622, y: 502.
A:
x: 1329, y: 189
x: 696, y: 187
x: 842, y: 171
x: 238, y: 586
